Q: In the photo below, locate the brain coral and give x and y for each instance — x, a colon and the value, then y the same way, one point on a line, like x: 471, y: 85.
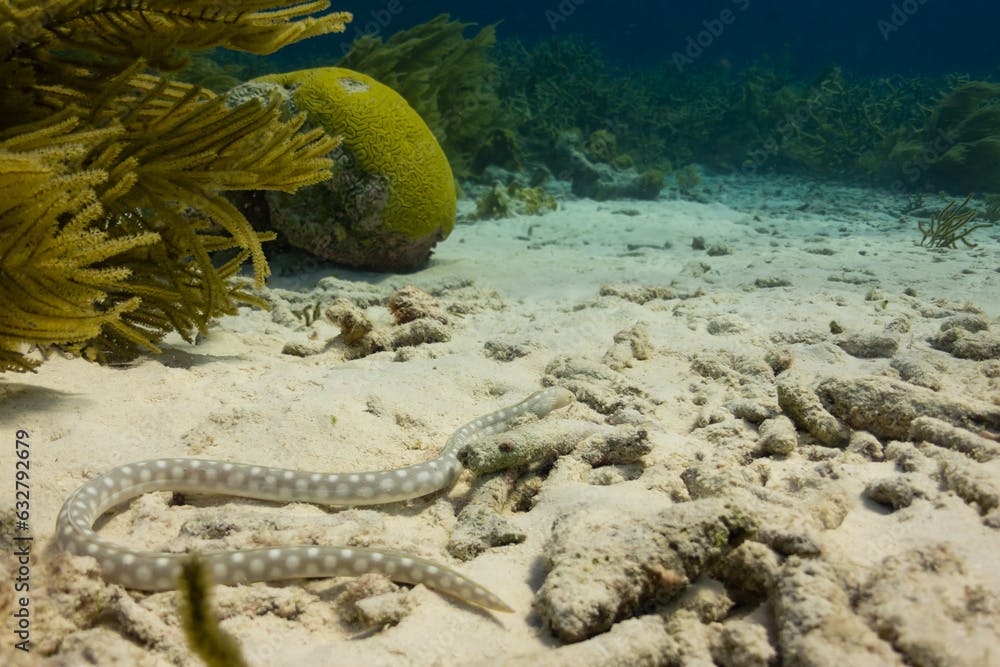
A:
x: 390, y: 153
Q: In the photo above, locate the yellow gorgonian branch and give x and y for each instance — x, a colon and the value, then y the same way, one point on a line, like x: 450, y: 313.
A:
x: 113, y: 224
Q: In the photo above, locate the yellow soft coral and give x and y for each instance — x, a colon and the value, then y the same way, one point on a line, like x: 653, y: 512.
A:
x: 388, y: 138
x: 112, y: 217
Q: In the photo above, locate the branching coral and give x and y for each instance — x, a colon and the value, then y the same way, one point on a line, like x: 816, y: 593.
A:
x: 565, y: 83
x: 112, y: 218
x: 949, y: 226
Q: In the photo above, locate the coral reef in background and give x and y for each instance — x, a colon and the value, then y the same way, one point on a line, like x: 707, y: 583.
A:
x: 643, y: 118
x: 833, y: 126
x: 502, y: 201
x: 601, y: 178
x: 565, y: 83
x: 507, y: 104
x: 843, y: 120
x: 755, y: 119
x: 113, y: 228
x: 959, y: 147
x: 393, y: 196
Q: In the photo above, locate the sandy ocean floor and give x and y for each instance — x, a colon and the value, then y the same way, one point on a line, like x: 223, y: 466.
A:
x: 734, y: 528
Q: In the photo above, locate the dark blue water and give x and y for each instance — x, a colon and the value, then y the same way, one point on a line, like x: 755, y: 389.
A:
x: 869, y: 37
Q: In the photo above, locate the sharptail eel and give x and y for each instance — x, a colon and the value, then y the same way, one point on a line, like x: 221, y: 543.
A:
x: 159, y: 570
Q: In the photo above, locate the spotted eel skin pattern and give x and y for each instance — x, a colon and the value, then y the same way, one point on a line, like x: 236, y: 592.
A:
x: 159, y: 570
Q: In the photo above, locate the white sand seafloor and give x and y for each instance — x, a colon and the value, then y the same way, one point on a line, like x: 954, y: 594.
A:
x: 919, y: 584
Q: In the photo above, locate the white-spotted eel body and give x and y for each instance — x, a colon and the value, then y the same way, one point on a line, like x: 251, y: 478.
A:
x: 159, y: 570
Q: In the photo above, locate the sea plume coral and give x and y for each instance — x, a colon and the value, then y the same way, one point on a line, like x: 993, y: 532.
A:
x: 112, y: 218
